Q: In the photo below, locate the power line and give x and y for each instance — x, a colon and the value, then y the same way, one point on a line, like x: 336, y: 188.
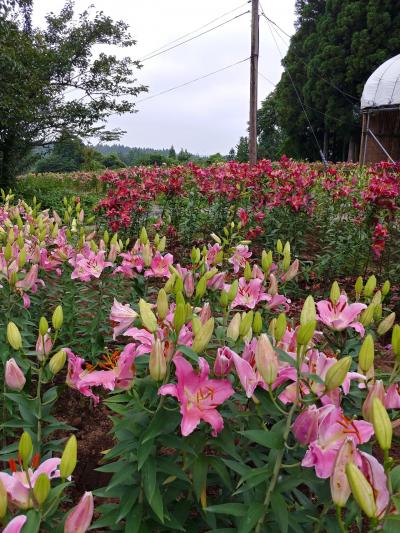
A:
x: 343, y: 93
x: 194, y: 31
x: 192, y: 81
x: 306, y: 105
x: 195, y: 37
x: 300, y: 101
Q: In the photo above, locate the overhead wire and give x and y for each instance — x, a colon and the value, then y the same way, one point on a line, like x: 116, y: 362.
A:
x: 195, y: 37
x: 196, y: 30
x: 300, y: 101
x: 192, y: 81
x: 333, y: 85
x: 306, y: 105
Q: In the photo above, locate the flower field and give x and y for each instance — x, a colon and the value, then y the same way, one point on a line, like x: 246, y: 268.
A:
x: 233, y: 333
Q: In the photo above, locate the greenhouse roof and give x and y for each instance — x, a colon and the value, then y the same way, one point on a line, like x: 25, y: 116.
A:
x: 383, y: 86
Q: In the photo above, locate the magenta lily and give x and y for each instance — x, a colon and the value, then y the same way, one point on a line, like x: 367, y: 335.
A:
x: 240, y: 256
x: 341, y: 315
x: 80, y: 517
x: 250, y: 293
x: 198, y: 395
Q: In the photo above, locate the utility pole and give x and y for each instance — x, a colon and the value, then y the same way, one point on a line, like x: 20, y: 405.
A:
x: 253, y: 83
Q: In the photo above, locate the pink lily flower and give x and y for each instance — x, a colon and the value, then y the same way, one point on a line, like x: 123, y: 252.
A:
x: 159, y: 267
x: 240, y: 256
x: 123, y: 315
x: 130, y: 261
x: 333, y: 429
x: 144, y: 338
x: 223, y: 362
x: 17, y: 483
x: 212, y: 253
x: 89, y: 265
x: 198, y: 395
x: 392, y: 399
x: 80, y: 517
x: 249, y: 377
x: 16, y: 524
x: 305, y: 427
x: 249, y: 294
x: 375, y: 474
x: 84, y: 380
x: 341, y: 315
x: 217, y: 282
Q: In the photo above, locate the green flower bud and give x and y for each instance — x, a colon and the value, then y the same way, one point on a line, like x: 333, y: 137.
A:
x: 196, y: 324
x: 377, y: 298
x: 382, y: 425
x: 396, y: 340
x: 58, y: 317
x: 22, y: 258
x: 43, y: 326
x: 272, y: 327
x: 201, y: 287
x: 179, y: 299
x: 162, y: 244
x: 3, y: 501
x: 233, y: 290
x: 247, y: 271
x: 266, y: 261
x: 280, y: 327
x: 106, y: 237
x: 7, y: 252
x: 386, y: 324
x: 147, y: 254
x: 147, y: 316
x: 57, y: 362
x: 257, y: 323
x: 13, y: 279
x: 367, y: 354
x: 305, y: 333
x: 14, y: 336
x: 169, y: 285
x: 386, y: 288
x: 378, y: 312
x: 367, y: 315
x: 202, y: 338
x: 195, y: 255
x: 41, y: 488
x: 25, y: 449
x: 279, y: 246
x: 337, y: 373
x: 246, y: 323
x: 335, y: 292
x: 308, y: 313
x: 179, y: 317
x: 232, y: 331
x: 144, y: 239
x: 370, y: 286
x: 361, y: 489
x: 162, y: 304
x: 266, y: 359
x: 69, y: 457
x: 223, y: 299
x: 157, y: 362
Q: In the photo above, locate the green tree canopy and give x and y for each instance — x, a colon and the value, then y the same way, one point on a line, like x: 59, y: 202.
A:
x: 52, y: 81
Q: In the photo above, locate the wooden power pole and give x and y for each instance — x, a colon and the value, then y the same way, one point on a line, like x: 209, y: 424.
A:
x: 253, y: 83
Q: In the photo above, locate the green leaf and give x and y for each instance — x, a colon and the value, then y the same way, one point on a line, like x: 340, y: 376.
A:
x: 199, y: 473
x: 32, y: 525
x: 149, y: 478
x: 254, y: 513
x: 134, y: 519
x: 190, y: 354
x: 266, y: 438
x: 279, y: 508
x: 395, y: 478
x: 234, y: 509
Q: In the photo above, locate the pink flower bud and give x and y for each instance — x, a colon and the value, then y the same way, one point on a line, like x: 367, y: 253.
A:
x: 15, y: 379
x: 48, y: 345
x: 266, y: 359
x: 189, y: 284
x: 223, y: 361
x: 340, y: 488
x: 205, y: 313
x: 273, y: 285
x: 16, y: 524
x: 377, y: 390
x: 305, y: 427
x: 81, y: 515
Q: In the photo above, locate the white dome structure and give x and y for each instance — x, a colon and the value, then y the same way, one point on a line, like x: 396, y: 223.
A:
x: 380, y: 108
x: 383, y: 86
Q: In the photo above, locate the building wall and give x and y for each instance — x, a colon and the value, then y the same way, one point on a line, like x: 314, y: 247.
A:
x: 386, y: 126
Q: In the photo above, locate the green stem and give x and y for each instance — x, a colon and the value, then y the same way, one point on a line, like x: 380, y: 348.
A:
x: 340, y: 519
x: 39, y: 399
x: 277, y: 468
x: 282, y: 411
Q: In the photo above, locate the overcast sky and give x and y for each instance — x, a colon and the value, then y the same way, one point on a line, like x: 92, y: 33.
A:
x: 207, y: 116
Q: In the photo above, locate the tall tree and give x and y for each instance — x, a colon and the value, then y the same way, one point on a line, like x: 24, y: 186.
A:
x: 337, y: 45
x: 52, y: 81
